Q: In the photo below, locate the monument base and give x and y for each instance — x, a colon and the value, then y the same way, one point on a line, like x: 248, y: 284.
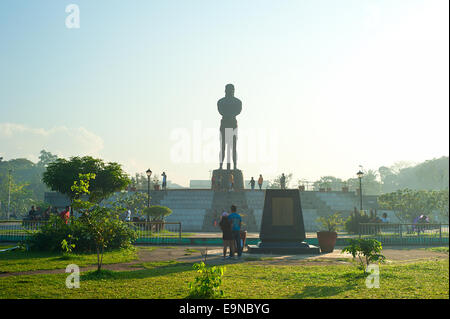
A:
x: 283, y: 248
x: 222, y: 179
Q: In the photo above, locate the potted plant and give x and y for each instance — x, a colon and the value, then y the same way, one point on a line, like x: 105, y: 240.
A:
x: 157, y: 215
x: 327, y: 237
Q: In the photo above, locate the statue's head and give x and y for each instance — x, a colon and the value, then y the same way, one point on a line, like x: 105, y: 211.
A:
x: 229, y: 89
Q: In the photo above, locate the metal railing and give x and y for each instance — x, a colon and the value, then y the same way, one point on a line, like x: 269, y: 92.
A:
x: 157, y: 232
x: 148, y: 232
x: 406, y: 234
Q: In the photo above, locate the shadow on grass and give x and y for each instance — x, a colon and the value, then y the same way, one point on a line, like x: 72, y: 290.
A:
x: 322, y: 291
x: 20, y: 254
x: 151, y: 270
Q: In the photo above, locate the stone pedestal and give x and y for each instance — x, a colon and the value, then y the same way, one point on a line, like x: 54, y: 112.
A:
x: 222, y: 179
x: 282, y: 228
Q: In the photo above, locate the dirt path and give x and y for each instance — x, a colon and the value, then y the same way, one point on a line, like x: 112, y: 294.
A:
x: 195, y: 254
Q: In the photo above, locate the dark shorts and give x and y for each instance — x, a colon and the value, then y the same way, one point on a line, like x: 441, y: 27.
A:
x: 227, y: 236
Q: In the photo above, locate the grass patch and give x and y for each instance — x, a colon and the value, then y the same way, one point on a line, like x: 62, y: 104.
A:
x: 170, y: 279
x: 19, y: 260
x: 438, y: 249
x: 7, y: 246
x: 189, y: 251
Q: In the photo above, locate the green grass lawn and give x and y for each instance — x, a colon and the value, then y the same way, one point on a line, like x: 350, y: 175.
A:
x: 170, y: 279
x: 438, y: 249
x: 16, y: 261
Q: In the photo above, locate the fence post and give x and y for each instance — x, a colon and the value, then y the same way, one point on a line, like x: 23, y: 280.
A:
x: 359, y: 230
x: 179, y: 235
x: 440, y: 233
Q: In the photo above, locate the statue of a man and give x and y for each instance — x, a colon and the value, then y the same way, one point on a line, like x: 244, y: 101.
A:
x: 229, y: 107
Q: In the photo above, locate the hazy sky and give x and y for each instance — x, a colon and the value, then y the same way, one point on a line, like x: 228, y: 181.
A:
x: 325, y: 85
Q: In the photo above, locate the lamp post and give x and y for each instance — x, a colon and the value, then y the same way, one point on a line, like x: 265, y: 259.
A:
x: 360, y: 175
x: 149, y: 174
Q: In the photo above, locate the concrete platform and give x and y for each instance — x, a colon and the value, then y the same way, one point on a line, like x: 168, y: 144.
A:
x: 283, y: 248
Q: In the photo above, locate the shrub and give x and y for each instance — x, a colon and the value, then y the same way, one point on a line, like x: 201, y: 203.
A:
x: 52, y: 234
x: 357, y: 217
x: 157, y: 212
x: 206, y: 285
x: 367, y: 251
x: 331, y: 222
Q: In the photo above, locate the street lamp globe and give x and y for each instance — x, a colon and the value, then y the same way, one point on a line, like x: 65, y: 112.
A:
x: 149, y: 172
x: 359, y: 174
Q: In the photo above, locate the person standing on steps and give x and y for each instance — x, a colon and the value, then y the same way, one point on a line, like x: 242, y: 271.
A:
x: 164, y: 181
x: 260, y: 181
x: 231, y: 181
x: 252, y: 183
x: 283, y: 181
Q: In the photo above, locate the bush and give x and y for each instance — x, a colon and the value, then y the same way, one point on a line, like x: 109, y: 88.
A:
x: 367, y: 251
x: 357, y: 217
x: 206, y: 285
x: 331, y: 222
x: 157, y: 212
x: 51, y: 235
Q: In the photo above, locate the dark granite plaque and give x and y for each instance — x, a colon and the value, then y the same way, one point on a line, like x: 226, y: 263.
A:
x: 282, y: 228
x: 282, y: 211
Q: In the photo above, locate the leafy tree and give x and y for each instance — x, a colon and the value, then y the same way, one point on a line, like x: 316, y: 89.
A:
x: 61, y: 174
x: 134, y: 201
x: 407, y: 204
x: 157, y: 213
x: 46, y: 158
x: 328, y: 182
x: 100, y: 222
x: 20, y: 195
x: 442, y: 202
x: 370, y: 184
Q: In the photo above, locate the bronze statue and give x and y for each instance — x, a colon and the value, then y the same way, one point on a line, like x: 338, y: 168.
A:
x: 229, y: 107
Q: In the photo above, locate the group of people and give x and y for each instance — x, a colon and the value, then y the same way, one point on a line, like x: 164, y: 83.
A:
x: 253, y: 182
x: 230, y: 223
x: 217, y: 184
x: 36, y: 214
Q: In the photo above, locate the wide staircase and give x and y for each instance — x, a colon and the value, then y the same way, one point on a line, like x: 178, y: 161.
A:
x: 223, y: 201
x: 188, y: 207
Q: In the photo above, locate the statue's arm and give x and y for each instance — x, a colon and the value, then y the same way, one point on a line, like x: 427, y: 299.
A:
x: 219, y: 107
x: 239, y: 108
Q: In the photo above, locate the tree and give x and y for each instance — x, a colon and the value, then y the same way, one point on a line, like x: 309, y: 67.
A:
x: 135, y: 201
x: 328, y: 182
x: 407, y: 204
x: 101, y: 222
x: 46, y: 158
x: 370, y: 184
x: 442, y: 203
x: 21, y: 198
x: 61, y: 174
x: 157, y: 213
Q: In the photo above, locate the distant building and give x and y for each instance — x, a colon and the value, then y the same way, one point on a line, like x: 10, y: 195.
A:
x: 173, y: 185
